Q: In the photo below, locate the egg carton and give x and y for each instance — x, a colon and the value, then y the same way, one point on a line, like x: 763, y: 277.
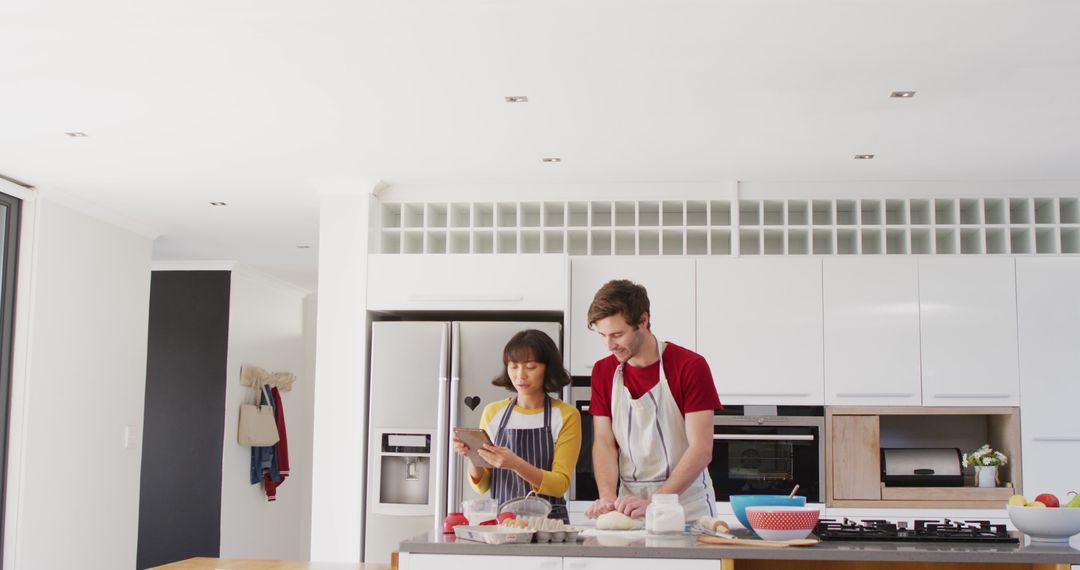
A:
x: 494, y: 534
x: 547, y: 530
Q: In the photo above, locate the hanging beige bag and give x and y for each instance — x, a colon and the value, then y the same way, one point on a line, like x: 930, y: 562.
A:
x: 257, y: 425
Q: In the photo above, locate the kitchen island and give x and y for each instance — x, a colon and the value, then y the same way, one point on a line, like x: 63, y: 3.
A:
x: 446, y: 552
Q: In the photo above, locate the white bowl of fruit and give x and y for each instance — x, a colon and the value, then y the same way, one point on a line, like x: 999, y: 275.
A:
x: 1045, y: 519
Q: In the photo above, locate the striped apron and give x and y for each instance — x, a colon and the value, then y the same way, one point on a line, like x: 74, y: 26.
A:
x: 651, y: 434
x: 537, y: 447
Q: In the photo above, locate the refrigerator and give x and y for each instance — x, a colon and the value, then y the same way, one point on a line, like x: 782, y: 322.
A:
x: 426, y: 377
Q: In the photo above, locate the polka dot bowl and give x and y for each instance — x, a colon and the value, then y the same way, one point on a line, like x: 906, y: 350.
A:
x: 782, y: 523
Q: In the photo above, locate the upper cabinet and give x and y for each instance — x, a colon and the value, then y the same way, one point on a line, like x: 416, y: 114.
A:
x: 1048, y: 309
x: 871, y: 310
x: 969, y: 338
x: 466, y: 283
x: 669, y: 281
x: 760, y: 328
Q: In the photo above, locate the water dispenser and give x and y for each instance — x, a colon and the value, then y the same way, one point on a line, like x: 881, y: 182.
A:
x: 404, y: 469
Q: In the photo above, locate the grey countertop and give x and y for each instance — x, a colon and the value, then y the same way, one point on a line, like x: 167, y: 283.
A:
x: 687, y: 547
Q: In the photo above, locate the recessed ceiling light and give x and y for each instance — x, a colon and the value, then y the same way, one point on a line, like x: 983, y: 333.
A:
x: 902, y: 94
x: 551, y: 159
x: 516, y: 99
x: 77, y: 134
x: 303, y: 247
x: 864, y: 157
x: 218, y: 204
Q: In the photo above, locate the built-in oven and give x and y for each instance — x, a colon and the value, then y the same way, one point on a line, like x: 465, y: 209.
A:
x: 583, y: 485
x: 762, y: 450
x: 758, y: 453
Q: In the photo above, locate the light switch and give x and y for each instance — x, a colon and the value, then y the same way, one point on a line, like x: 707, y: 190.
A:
x: 131, y: 437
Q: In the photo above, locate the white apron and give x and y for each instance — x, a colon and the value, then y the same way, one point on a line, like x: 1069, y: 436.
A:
x: 651, y: 434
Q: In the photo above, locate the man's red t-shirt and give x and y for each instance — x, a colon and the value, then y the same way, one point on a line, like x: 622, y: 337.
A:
x: 688, y: 376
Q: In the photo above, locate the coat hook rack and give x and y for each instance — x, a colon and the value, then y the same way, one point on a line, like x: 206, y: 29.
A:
x: 254, y: 376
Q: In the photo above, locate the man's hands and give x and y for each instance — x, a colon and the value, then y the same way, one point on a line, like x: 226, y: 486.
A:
x: 632, y: 506
x: 628, y: 505
x: 599, y: 507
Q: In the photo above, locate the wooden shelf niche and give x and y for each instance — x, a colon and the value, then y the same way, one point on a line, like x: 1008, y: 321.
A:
x: 857, y: 434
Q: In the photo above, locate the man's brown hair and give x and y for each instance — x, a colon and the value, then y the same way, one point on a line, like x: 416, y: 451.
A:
x: 620, y: 297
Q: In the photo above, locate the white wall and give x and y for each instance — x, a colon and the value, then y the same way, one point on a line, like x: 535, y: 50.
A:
x: 268, y: 328
x: 80, y: 377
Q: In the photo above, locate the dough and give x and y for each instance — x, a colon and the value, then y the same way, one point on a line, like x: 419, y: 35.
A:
x: 618, y: 521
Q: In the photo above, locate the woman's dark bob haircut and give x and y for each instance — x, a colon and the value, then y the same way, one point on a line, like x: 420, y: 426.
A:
x: 533, y: 345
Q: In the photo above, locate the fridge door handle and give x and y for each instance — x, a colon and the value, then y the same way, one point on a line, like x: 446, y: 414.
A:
x: 453, y: 497
x: 441, y: 458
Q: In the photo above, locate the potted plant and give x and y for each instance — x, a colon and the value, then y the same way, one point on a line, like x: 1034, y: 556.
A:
x: 986, y: 461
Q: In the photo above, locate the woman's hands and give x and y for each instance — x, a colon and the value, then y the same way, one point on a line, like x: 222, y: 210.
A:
x: 460, y: 447
x: 500, y: 457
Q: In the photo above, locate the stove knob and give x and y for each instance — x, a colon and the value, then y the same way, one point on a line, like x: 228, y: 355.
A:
x: 761, y: 420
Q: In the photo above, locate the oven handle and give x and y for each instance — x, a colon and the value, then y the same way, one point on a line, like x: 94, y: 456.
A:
x: 763, y: 437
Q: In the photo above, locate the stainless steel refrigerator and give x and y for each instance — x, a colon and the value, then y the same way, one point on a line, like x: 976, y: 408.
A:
x: 426, y: 377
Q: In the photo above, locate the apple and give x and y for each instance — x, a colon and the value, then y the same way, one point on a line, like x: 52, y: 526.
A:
x: 1075, y: 502
x: 1036, y: 504
x: 1049, y: 500
x: 1017, y: 500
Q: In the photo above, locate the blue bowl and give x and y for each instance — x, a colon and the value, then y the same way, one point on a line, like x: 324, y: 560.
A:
x: 740, y: 502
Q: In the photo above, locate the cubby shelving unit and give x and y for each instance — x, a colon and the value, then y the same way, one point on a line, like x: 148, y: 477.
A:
x: 804, y: 226
x: 651, y: 227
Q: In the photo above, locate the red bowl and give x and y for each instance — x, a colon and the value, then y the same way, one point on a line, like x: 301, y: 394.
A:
x: 782, y: 523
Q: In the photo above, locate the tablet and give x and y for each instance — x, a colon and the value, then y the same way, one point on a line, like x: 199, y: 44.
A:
x: 475, y: 438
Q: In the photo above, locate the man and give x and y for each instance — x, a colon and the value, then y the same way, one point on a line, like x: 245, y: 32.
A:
x: 652, y: 407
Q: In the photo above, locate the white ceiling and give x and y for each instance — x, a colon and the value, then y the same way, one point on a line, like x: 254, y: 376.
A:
x: 260, y: 102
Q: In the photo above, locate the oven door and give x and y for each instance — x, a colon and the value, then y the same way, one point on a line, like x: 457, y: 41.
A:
x: 583, y: 484
x: 768, y: 456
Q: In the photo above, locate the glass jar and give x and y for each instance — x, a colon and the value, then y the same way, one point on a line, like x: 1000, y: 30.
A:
x: 665, y: 515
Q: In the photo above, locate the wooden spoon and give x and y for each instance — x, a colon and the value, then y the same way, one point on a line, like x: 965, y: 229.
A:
x: 756, y: 542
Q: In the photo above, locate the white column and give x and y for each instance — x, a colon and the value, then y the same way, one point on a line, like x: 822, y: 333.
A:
x: 339, y: 435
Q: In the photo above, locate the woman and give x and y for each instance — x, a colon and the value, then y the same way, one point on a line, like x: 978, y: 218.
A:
x: 536, y: 438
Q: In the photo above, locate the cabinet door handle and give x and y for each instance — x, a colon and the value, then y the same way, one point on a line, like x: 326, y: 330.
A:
x: 974, y: 395
x: 1056, y: 438
x: 577, y: 564
x: 469, y: 298
x: 768, y: 394
x: 873, y: 394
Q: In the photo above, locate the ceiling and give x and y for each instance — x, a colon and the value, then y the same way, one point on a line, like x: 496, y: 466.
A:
x: 260, y: 104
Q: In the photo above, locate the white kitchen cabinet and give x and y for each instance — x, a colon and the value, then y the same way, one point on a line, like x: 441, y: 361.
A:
x: 669, y: 281
x: 638, y: 564
x: 466, y: 283
x: 480, y: 562
x: 1048, y: 313
x: 760, y: 329
x: 871, y: 308
x: 967, y: 308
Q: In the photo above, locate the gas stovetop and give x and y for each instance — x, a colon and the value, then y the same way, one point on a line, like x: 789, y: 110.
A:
x: 927, y: 530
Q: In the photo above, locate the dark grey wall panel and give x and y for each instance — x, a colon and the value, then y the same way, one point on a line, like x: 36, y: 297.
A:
x: 180, y: 493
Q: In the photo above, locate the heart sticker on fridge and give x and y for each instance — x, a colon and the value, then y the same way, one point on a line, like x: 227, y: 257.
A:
x: 472, y: 401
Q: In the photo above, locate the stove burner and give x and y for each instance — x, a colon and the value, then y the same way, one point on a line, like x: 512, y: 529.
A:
x: 929, y: 530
